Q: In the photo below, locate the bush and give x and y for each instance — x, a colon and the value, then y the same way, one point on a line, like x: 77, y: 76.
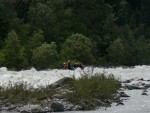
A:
x: 23, y: 92
x: 77, y: 47
x: 45, y: 56
x: 90, y: 88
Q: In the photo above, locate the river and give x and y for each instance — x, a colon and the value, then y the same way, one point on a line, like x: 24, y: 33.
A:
x: 136, y: 103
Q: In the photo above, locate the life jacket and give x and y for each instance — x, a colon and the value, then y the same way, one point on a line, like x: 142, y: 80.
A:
x: 65, y: 66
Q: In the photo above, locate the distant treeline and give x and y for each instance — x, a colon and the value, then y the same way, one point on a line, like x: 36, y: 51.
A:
x: 45, y: 33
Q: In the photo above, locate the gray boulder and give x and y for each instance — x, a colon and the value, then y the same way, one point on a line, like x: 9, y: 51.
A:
x: 61, y: 82
x: 57, y: 107
x: 123, y: 94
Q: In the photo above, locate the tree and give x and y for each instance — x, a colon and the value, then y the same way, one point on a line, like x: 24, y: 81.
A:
x: 145, y: 12
x: 53, y: 18
x: 14, y: 52
x: 36, y: 40
x: 41, y: 17
x: 77, y: 47
x: 2, y: 59
x: 142, y: 47
x: 116, y: 52
x: 45, y: 56
x: 123, y: 13
x: 7, y: 14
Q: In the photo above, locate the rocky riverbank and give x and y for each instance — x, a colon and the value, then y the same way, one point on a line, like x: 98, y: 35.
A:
x: 58, y: 102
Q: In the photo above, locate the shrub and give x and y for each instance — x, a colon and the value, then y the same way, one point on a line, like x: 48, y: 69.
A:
x: 45, y: 56
x: 23, y: 92
x: 90, y: 88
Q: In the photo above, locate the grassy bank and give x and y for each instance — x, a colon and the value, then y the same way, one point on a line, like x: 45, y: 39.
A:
x: 22, y: 92
x: 86, y: 91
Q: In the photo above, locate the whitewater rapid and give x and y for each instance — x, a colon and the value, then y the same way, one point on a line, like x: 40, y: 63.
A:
x: 46, y: 77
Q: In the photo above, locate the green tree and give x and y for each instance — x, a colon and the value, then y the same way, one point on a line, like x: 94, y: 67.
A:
x: 14, y: 52
x: 36, y: 40
x: 77, y: 47
x: 117, y: 52
x: 123, y: 13
x: 142, y: 47
x: 7, y: 14
x: 145, y: 12
x: 45, y: 56
x: 41, y: 17
x: 2, y: 59
x: 53, y: 17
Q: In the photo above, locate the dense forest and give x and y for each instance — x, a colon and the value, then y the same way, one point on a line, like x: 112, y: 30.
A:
x: 45, y: 33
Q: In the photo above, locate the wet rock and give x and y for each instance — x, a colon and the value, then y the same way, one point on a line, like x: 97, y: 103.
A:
x: 127, y: 81
x: 123, y: 94
x: 140, y: 79
x: 57, y: 107
x: 147, y: 86
x: 4, y: 108
x: 131, y: 87
x: 58, y: 96
x: 119, y: 103
x: 126, y: 86
x: 143, y: 84
x: 25, y: 111
x: 12, y: 107
x: 61, y: 82
x: 47, y: 109
x: 37, y: 109
x: 144, y: 93
x: 31, y: 108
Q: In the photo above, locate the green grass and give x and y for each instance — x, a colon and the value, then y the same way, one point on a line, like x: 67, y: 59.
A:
x: 21, y: 92
x: 88, y: 89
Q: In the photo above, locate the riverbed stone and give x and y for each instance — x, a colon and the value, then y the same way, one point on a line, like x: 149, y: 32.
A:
x: 144, y: 93
x: 123, y: 94
x: 61, y: 82
x: 25, y: 111
x: 57, y: 107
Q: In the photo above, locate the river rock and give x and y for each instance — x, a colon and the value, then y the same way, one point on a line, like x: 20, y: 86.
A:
x: 25, y: 111
x: 61, y: 82
x: 147, y: 86
x: 31, y: 108
x: 131, y: 87
x: 123, y: 94
x: 144, y: 93
x: 119, y: 103
x: 57, y: 107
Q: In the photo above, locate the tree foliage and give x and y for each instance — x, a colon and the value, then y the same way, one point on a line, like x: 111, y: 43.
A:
x: 45, y: 56
x: 14, y: 52
x: 77, y: 47
x: 33, y: 22
x: 117, y: 52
